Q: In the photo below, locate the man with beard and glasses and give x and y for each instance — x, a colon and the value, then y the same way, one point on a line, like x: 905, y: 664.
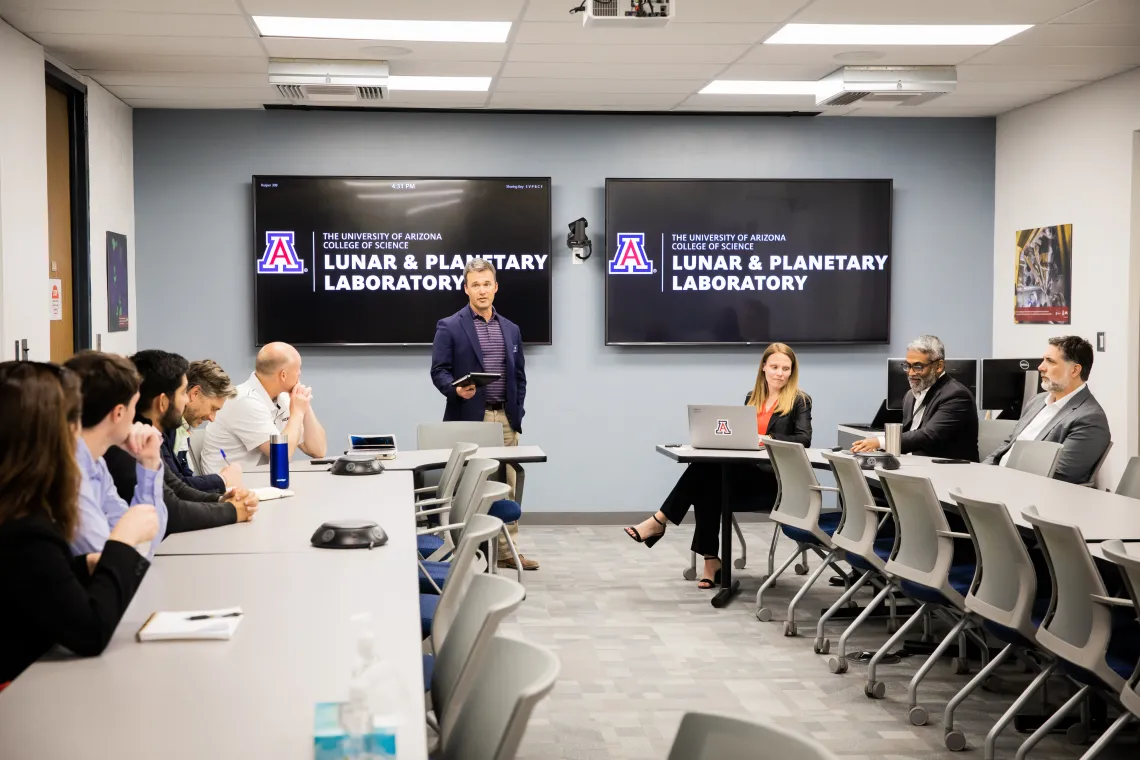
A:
x: 1065, y: 413
x: 162, y: 401
x: 940, y: 418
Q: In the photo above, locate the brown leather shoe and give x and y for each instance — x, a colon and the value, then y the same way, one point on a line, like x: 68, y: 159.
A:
x: 509, y: 562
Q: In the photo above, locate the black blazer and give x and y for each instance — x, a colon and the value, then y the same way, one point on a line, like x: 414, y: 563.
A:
x: 795, y: 426
x: 949, y: 426
x: 49, y: 598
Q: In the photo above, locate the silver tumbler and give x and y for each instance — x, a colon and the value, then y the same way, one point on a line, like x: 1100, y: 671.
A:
x: 893, y: 435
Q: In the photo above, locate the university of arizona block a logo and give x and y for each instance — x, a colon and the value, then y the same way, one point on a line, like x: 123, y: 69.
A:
x: 630, y: 257
x: 280, y: 255
x: 722, y: 428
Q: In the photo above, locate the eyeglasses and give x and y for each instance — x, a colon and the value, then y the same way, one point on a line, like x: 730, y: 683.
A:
x: 918, y: 368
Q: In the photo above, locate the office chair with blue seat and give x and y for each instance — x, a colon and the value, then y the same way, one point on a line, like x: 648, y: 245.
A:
x: 1095, y: 637
x: 799, y: 515
x: 867, y: 538
x: 438, y: 609
x: 434, y: 574
x: 928, y: 569
x: 442, y: 494
x: 442, y: 435
x: 436, y: 543
x: 1010, y: 599
x: 1129, y: 566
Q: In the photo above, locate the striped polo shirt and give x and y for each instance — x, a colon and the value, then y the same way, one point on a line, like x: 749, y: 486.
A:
x: 494, y: 350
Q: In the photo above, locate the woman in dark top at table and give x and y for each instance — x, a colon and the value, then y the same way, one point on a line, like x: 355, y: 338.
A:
x: 783, y: 412
x: 47, y: 596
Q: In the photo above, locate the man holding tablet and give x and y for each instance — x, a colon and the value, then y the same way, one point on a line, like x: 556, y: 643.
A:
x: 477, y: 339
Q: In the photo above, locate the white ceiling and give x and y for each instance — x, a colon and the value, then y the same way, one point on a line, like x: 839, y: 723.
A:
x: 207, y: 53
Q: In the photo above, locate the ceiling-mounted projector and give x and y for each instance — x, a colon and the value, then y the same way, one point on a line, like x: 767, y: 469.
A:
x: 627, y: 14
x: 306, y: 80
x: 888, y: 85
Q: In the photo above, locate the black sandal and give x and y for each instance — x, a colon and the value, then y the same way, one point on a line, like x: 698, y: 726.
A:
x: 650, y: 540
x: 707, y: 583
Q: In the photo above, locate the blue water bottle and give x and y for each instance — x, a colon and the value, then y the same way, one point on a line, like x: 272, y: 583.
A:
x: 279, y: 460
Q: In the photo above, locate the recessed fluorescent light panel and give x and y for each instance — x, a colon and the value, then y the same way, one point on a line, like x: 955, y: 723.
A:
x: 758, y: 87
x: 381, y: 29
x: 895, y: 34
x: 440, y: 84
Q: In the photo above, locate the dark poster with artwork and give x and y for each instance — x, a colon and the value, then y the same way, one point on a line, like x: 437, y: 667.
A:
x: 118, y: 313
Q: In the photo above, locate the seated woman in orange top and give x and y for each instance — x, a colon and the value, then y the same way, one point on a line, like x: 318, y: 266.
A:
x: 783, y: 412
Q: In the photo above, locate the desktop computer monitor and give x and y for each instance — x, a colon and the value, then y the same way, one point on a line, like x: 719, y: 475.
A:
x: 964, y: 371
x: 1007, y: 384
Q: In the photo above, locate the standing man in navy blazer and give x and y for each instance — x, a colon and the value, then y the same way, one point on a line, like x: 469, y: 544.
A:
x: 477, y: 338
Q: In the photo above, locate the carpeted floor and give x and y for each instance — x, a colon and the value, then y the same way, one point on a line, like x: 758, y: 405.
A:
x: 640, y: 646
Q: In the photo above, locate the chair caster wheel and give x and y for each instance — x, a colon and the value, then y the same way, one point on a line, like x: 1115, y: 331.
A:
x: 955, y: 741
x: 918, y: 715
x: 959, y: 666
x: 837, y: 665
x: 690, y: 574
x: 789, y: 629
x: 875, y: 690
x: 1077, y: 734
x: 801, y: 569
x: 822, y: 646
x: 764, y: 615
x: 738, y: 563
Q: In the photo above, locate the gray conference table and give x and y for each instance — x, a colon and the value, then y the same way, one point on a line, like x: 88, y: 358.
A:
x: 1100, y: 515
x: 253, y: 696
x: 420, y: 460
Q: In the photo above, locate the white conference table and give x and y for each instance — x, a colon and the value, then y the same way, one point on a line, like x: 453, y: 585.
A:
x: 252, y: 696
x: 419, y: 460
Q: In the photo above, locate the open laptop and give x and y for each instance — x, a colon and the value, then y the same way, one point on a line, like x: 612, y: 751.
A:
x: 723, y: 427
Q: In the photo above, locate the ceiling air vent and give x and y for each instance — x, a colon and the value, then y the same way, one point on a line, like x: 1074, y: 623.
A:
x: 885, y: 85
x: 329, y: 82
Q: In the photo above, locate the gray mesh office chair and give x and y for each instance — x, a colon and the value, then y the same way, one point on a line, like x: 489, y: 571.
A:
x: 799, y: 516
x: 513, y: 677
x: 479, y: 529
x: 993, y: 433
x: 923, y: 562
x: 713, y: 737
x: 489, y: 599
x: 1129, y: 564
x: 1129, y: 484
x: 441, y: 493
x: 453, y: 515
x: 478, y: 504
x: 1078, y: 628
x: 1004, y: 597
x: 858, y: 538
x: 1091, y: 482
x: 1037, y: 457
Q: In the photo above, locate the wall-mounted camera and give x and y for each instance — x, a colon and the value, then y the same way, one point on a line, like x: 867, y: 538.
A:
x: 577, y: 240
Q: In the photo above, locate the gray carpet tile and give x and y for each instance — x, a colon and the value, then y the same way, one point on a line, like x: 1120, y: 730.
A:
x: 640, y: 646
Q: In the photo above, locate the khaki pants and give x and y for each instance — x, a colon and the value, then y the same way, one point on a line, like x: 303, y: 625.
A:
x: 510, y: 438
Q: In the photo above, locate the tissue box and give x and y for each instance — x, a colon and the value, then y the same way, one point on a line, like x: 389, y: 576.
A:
x: 329, y: 736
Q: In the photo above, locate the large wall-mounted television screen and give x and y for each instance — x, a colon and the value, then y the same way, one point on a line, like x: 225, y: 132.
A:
x: 710, y: 261
x: 379, y: 260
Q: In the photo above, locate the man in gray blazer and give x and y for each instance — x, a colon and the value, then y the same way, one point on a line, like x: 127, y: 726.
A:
x: 1065, y: 413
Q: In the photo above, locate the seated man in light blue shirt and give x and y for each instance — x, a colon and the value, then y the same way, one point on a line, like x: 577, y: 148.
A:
x: 110, y: 388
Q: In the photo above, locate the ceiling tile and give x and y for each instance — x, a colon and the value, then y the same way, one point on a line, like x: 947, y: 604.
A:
x: 1072, y: 56
x: 264, y: 92
x: 1105, y: 12
x: 138, y: 6
x: 957, y: 12
x: 722, y: 54
x: 596, y: 71
x: 1040, y: 73
x: 749, y: 102
x: 284, y: 47
x: 582, y: 100
x: 929, y: 111
x: 34, y: 22
x: 1018, y: 90
x: 87, y: 62
x: 688, y: 11
x: 466, y: 10
x: 1058, y: 35
x: 62, y: 45
x: 919, y: 55
x: 788, y: 71
x: 178, y: 79
x: 674, y: 86
x: 542, y: 33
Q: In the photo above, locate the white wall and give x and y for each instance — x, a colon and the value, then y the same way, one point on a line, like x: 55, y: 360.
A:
x: 1072, y: 159
x: 24, y: 296
x: 111, y: 174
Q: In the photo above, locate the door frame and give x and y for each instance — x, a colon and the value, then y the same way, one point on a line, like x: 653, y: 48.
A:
x: 76, y: 93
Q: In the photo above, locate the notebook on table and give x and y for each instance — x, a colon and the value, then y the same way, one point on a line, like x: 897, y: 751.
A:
x: 191, y: 625
x: 269, y: 493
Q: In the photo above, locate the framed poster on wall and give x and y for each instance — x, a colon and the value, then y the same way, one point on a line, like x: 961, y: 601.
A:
x: 118, y: 308
x: 1043, y: 283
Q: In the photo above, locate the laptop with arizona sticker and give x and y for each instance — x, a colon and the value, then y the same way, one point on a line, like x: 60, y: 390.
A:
x: 723, y: 427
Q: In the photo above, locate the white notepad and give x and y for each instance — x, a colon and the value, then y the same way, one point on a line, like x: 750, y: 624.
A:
x: 269, y: 493
x: 175, y: 626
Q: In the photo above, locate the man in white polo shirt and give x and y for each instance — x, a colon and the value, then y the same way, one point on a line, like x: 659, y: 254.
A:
x: 271, y: 401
